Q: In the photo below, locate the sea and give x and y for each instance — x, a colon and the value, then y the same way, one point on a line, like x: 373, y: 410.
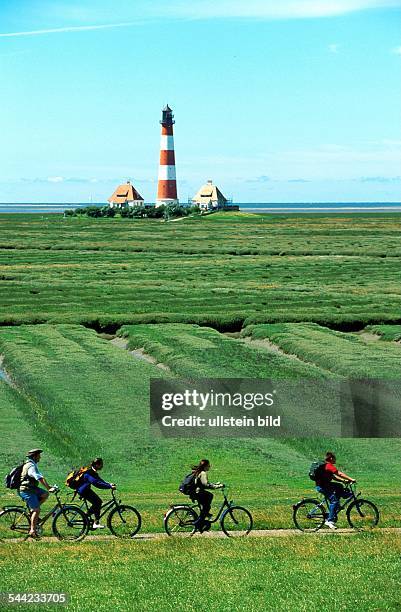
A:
x: 262, y: 207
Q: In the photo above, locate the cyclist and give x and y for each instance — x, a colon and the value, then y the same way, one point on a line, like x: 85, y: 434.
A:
x: 332, y: 490
x: 201, y: 495
x: 29, y: 489
x: 91, y: 477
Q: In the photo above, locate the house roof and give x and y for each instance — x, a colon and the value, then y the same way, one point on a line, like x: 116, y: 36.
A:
x: 125, y: 193
x: 209, y: 193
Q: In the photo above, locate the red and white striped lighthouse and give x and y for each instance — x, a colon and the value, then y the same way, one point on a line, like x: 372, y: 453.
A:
x: 167, y: 184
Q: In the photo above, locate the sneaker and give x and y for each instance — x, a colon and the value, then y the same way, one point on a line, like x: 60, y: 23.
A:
x: 330, y: 524
x: 97, y: 526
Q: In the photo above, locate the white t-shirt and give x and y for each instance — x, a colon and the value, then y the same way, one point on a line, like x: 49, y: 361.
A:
x: 33, y: 471
x: 202, y: 478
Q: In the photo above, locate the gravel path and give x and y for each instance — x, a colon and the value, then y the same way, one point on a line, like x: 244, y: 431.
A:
x: 258, y: 533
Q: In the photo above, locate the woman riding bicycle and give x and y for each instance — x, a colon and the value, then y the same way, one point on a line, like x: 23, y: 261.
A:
x: 91, y: 477
x: 201, y: 495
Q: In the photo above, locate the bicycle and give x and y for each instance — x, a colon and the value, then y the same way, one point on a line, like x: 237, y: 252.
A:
x: 234, y: 520
x: 69, y: 522
x: 310, y: 514
x: 123, y: 521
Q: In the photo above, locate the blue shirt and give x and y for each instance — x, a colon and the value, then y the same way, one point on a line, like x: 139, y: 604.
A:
x: 91, y: 477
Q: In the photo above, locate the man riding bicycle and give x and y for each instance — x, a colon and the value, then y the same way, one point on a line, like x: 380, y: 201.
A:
x: 29, y: 489
x: 334, y: 491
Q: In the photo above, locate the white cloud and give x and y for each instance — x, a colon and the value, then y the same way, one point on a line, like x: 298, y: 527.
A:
x: 397, y: 50
x: 341, y: 155
x: 68, y: 29
x: 379, y: 179
x: 263, y: 178
x: 75, y: 180
x: 207, y: 9
x: 14, y: 53
x: 266, y: 9
x: 334, y: 47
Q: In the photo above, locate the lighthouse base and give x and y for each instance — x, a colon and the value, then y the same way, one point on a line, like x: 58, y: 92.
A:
x: 166, y: 202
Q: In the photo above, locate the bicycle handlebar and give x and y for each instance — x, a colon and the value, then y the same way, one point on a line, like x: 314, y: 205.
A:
x: 351, y: 486
x: 223, y: 489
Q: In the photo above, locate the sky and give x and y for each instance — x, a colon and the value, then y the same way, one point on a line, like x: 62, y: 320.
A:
x: 289, y: 101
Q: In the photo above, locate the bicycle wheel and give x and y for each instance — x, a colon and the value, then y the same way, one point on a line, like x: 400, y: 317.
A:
x: 124, y: 521
x: 236, y: 521
x: 309, y: 515
x: 362, y: 514
x: 70, y: 523
x: 179, y: 521
x: 14, y: 524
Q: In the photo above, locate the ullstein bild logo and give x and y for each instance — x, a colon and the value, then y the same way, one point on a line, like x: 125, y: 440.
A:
x: 233, y: 407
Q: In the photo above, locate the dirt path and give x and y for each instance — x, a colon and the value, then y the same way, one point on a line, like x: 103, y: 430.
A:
x: 267, y: 345
x: 256, y: 533
x: 138, y: 353
x: 368, y: 336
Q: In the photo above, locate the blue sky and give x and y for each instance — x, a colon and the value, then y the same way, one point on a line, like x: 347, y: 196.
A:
x: 275, y: 101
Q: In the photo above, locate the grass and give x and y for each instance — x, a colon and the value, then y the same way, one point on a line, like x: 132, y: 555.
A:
x: 341, y: 353
x: 73, y: 381
x: 19, y: 429
x: 220, y: 270
x: 76, y: 395
x: 391, y: 333
x: 286, y: 573
x: 375, y: 406
x: 196, y: 352
x: 193, y: 351
x: 81, y: 396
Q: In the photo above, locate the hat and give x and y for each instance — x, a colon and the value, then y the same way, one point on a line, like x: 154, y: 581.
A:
x: 34, y: 451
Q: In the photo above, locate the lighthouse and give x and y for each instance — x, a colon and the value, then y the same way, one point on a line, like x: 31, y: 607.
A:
x: 167, y: 183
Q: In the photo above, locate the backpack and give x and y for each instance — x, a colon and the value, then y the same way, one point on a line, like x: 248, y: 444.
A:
x: 316, y: 470
x: 187, y: 487
x: 75, y: 477
x: 13, y: 478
